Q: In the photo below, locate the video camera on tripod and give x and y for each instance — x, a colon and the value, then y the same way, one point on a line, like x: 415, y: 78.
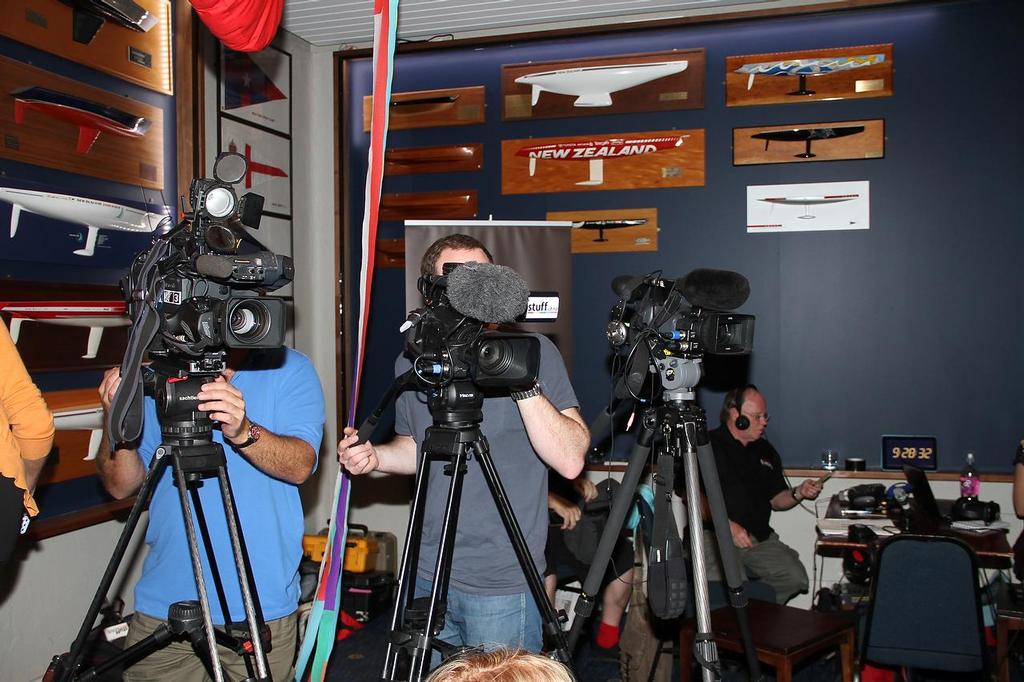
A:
x: 660, y: 330
x: 448, y: 341
x: 195, y: 293
x: 653, y: 311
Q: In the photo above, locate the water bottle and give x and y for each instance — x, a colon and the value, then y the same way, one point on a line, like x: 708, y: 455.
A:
x: 970, y: 484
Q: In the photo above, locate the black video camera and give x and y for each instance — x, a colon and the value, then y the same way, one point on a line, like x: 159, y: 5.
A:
x: 205, y: 277
x: 193, y: 294
x: 681, y: 319
x: 448, y: 343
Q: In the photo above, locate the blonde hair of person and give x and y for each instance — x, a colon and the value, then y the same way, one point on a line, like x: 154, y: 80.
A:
x: 501, y: 665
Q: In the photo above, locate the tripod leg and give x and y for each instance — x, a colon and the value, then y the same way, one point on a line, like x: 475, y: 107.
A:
x: 515, y: 534
x: 730, y: 561
x: 197, y: 566
x: 211, y: 557
x: 156, y: 468
x: 244, y: 572
x: 442, y: 567
x: 616, y: 520
x: 705, y: 650
x: 407, y: 571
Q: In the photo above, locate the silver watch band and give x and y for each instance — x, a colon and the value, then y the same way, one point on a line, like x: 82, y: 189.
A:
x: 528, y: 393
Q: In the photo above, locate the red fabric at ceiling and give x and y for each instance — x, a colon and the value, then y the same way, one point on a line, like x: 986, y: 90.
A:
x: 243, y: 25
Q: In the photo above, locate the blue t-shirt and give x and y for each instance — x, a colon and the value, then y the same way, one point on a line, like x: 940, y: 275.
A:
x: 484, y: 561
x: 282, y: 393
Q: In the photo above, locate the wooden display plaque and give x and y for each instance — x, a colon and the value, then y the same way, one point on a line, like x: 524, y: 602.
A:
x: 431, y: 108
x: 661, y: 158
x: 608, y: 231
x: 444, y: 159
x: 809, y: 75
x: 574, y: 87
x: 448, y: 205
x: 46, y: 347
x: 45, y: 140
x: 142, y: 58
x: 390, y: 253
x: 803, y: 142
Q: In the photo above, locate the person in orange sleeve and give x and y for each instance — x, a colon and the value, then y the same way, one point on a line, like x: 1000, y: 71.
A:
x: 26, y: 436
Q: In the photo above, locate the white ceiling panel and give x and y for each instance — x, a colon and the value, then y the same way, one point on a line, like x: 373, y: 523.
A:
x: 349, y: 23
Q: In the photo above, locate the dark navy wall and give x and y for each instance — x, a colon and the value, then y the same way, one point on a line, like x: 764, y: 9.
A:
x: 911, y: 327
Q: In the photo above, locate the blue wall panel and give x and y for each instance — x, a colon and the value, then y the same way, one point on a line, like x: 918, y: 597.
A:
x: 913, y: 326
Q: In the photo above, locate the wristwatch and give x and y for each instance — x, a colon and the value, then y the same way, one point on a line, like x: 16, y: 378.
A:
x: 528, y: 393
x: 255, y: 431
x: 796, y: 493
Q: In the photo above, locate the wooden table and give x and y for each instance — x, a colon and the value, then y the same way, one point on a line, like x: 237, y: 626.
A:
x: 991, y: 547
x: 783, y: 637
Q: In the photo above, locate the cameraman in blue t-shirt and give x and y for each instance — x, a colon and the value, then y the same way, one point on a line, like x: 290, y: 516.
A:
x: 489, y: 602
x: 271, y: 416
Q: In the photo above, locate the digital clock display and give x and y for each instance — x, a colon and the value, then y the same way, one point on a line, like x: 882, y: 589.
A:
x: 919, y: 451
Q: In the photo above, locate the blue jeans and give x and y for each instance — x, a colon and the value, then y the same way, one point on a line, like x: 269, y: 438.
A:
x: 488, y: 621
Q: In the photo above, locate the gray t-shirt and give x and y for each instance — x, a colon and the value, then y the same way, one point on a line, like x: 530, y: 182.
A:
x: 484, y: 561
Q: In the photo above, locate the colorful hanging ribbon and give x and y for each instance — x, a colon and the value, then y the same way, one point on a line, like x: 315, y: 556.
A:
x: 318, y: 640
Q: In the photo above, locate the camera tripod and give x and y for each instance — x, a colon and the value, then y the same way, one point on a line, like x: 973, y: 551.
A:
x: 187, y: 447
x: 682, y: 427
x: 453, y: 441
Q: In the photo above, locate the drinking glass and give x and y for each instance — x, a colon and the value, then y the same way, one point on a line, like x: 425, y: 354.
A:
x: 830, y: 459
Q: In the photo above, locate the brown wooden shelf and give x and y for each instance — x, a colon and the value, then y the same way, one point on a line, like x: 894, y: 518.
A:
x: 65, y: 523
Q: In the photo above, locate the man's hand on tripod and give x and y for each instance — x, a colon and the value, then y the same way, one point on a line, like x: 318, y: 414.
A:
x: 740, y: 536
x: 225, y: 405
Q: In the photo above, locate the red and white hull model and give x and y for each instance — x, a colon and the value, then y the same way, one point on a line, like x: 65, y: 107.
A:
x: 593, y: 85
x: 96, y: 315
x: 94, y: 214
x: 92, y: 118
x: 596, y: 151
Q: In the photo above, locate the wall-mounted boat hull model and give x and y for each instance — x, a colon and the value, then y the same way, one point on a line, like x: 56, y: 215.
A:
x: 670, y: 80
x: 90, y: 15
x: 94, y: 214
x: 809, y: 75
x: 92, y: 118
x: 664, y: 158
x: 592, y: 86
x: 45, y: 118
x: 596, y: 151
x: 96, y: 315
x: 807, y: 136
x: 809, y: 142
x: 802, y: 68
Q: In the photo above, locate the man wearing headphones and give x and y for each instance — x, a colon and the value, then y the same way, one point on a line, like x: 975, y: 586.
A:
x: 753, y: 485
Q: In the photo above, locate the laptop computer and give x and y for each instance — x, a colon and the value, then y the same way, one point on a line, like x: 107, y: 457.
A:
x: 926, y: 509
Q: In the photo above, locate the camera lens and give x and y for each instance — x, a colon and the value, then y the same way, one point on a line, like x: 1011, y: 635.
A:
x: 494, y: 357
x: 249, y: 321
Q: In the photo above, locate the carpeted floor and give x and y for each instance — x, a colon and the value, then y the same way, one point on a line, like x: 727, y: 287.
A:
x: 360, y: 657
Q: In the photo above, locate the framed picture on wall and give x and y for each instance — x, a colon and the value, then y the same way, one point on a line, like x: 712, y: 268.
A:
x: 270, y: 159
x: 256, y: 88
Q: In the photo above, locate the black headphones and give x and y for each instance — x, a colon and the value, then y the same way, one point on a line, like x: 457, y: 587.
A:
x: 742, y: 422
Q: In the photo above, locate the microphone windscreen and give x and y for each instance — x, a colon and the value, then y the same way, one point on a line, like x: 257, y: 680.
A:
x: 715, y: 289
x: 623, y: 285
x: 487, y: 292
x: 214, y: 266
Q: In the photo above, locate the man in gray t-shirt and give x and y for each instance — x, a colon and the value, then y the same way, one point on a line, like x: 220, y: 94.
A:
x: 488, y: 600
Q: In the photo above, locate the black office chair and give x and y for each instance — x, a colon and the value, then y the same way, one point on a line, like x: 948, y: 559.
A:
x: 925, y: 608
